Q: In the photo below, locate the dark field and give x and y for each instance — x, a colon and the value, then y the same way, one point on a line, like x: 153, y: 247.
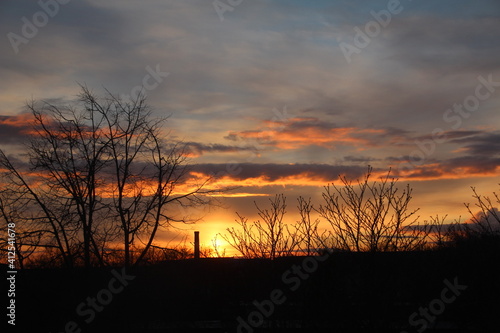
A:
x: 347, y: 292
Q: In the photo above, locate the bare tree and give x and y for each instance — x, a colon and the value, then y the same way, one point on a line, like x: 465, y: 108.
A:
x: 145, y: 172
x: 487, y: 219
x: 312, y: 240
x: 18, y: 230
x: 370, y: 216
x: 216, y: 248
x: 69, y: 147
x: 42, y: 210
x: 104, y: 173
x: 270, y: 237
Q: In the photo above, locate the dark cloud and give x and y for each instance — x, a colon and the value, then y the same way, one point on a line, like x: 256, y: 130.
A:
x: 273, y: 171
x: 481, y: 144
x: 472, y: 164
x: 452, y: 136
x: 425, y: 173
x: 198, y: 149
x: 485, y: 221
x: 14, y: 129
x: 458, y: 167
x: 360, y: 159
x: 311, y: 131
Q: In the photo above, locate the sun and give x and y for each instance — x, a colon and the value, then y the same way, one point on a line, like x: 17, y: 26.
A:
x: 219, y: 246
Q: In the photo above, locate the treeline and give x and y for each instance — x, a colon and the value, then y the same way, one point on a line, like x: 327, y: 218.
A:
x: 365, y: 216
x: 97, y: 181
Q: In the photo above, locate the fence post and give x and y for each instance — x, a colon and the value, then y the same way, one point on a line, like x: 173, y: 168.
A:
x: 197, y: 245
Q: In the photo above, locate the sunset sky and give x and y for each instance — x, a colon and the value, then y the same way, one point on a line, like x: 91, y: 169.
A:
x: 280, y: 96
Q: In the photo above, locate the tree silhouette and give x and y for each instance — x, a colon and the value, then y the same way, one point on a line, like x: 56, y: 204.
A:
x: 101, y: 173
x: 487, y: 219
x: 27, y: 234
x: 269, y: 237
x: 372, y: 216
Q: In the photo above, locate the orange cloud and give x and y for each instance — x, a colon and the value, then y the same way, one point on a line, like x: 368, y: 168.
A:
x: 301, y: 132
x: 304, y: 178
x: 446, y: 170
x: 20, y: 120
x: 261, y: 175
x: 240, y: 195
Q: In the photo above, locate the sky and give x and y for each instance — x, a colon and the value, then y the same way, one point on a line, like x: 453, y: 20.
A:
x: 280, y: 96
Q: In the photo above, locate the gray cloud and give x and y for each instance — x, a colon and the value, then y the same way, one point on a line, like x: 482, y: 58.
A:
x: 14, y: 129
x: 197, y: 148
x: 445, y: 46
x: 360, y: 159
x: 273, y: 171
x: 481, y: 144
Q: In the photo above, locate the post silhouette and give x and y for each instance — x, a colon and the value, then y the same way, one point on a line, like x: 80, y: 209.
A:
x: 197, y: 245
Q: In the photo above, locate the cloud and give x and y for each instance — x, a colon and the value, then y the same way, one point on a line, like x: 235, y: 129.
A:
x: 196, y: 149
x: 15, y: 129
x: 453, y: 168
x: 485, y: 221
x: 360, y: 159
x: 309, y: 131
x: 268, y: 174
x: 477, y: 143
